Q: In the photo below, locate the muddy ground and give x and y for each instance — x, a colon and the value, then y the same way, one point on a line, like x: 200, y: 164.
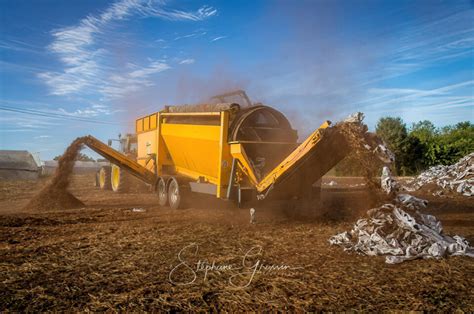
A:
x: 120, y: 253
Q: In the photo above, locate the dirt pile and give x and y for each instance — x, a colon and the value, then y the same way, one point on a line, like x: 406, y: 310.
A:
x: 370, y: 152
x: 202, y: 107
x: 55, y: 195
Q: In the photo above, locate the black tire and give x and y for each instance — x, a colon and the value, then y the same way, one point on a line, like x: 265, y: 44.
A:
x: 123, y: 183
x: 162, y: 192
x: 104, y: 178
x: 174, y: 194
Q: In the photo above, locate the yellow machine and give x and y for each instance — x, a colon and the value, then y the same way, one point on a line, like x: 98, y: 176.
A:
x: 231, y: 152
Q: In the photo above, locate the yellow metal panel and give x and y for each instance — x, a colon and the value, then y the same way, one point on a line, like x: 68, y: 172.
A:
x: 175, y: 114
x: 193, y: 147
x: 238, y: 152
x: 224, y: 155
x: 162, y: 150
x: 147, y: 144
x: 146, y: 123
x: 195, y: 175
x: 153, y: 121
x: 139, y: 125
x: 192, y: 131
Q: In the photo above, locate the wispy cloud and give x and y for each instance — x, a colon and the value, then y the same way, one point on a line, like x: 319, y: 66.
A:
x: 87, y: 112
x: 74, y: 79
x: 16, y: 67
x: 152, y: 68
x: 25, y: 103
x: 18, y: 45
x: 218, y: 38
x: 85, y: 61
x: 192, y: 35
x: 14, y: 130
x: 25, y: 114
x: 433, y: 42
x: 16, y: 121
x: 178, y: 15
x: 137, y: 77
x: 187, y: 61
x: 384, y: 97
x: 418, y: 104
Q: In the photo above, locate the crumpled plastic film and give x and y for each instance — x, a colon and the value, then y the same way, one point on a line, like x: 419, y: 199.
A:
x: 410, y: 201
x: 387, y: 183
x: 458, y: 178
x: 355, y: 117
x: 399, y: 231
x: 400, y: 236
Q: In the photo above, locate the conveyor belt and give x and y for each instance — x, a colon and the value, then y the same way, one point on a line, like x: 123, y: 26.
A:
x: 312, y: 159
x: 120, y: 160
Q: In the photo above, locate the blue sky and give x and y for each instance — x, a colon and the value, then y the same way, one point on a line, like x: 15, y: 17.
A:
x: 91, y: 67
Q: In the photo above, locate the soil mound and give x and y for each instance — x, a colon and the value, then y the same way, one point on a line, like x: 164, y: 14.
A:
x: 55, y: 195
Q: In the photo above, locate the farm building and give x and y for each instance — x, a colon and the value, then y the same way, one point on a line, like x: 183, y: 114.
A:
x: 18, y: 165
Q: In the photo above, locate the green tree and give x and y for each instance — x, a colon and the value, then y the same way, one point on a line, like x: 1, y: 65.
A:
x: 452, y: 143
x: 426, y: 134
x: 394, y: 133
x: 411, y: 156
x: 425, y: 131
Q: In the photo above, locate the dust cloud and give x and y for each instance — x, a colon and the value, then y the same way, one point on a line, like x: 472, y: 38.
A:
x: 326, y: 61
x: 314, y: 73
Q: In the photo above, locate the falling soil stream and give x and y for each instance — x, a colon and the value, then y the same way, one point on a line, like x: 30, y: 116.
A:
x: 55, y: 195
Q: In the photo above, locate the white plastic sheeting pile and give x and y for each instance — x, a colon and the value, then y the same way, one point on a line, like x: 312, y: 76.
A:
x: 388, y: 184
x: 391, y: 231
x: 458, y: 177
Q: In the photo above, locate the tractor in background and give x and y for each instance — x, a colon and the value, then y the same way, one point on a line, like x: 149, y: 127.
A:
x: 111, y: 177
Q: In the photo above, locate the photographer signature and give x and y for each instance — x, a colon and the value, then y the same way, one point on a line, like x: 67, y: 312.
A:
x: 240, y: 275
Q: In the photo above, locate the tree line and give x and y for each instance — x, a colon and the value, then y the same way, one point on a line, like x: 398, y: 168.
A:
x: 419, y: 146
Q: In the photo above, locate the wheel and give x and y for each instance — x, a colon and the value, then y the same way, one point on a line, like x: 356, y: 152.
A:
x: 104, y: 178
x: 119, y: 180
x: 174, y: 196
x: 162, y: 192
